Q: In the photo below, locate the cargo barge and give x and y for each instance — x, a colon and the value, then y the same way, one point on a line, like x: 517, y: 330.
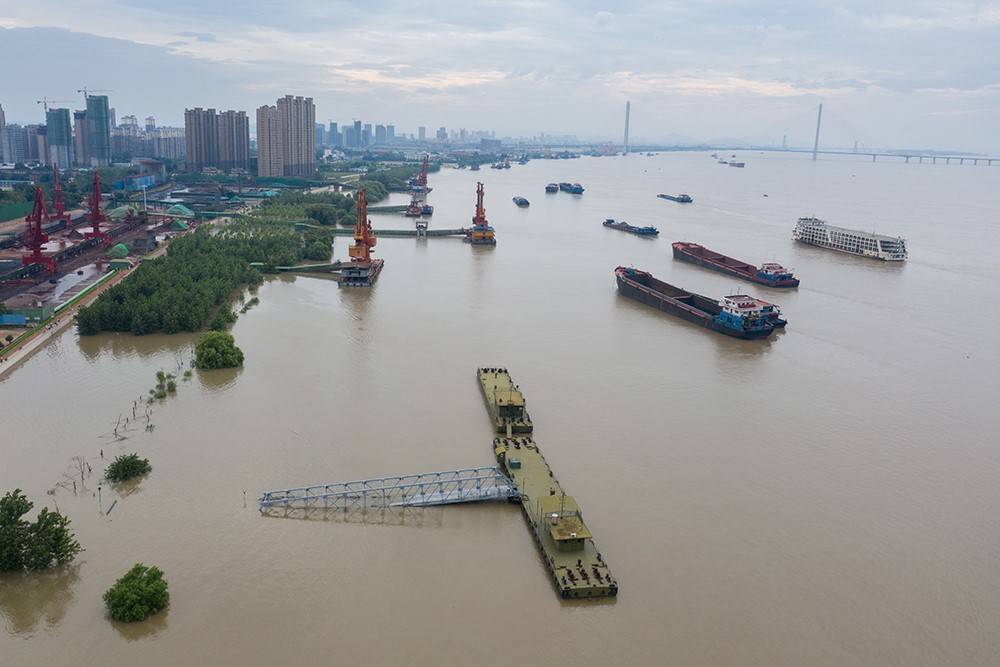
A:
x: 681, y: 198
x: 814, y: 231
x: 572, y: 188
x: 566, y: 545
x: 631, y: 229
x: 551, y: 187
x: 521, y: 202
x: 504, y: 401
x: 737, y: 315
x: 769, y: 273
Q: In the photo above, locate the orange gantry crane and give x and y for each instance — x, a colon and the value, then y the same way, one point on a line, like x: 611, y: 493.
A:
x: 364, y: 237
x: 481, y: 233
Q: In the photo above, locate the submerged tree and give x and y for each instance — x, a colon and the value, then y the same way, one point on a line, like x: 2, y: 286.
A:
x: 217, y: 349
x: 126, y: 467
x: 139, y: 594
x: 33, y: 546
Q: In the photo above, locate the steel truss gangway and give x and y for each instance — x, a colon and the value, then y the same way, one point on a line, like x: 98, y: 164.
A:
x: 466, y: 485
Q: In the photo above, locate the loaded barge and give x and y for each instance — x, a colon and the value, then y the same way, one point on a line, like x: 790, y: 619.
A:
x: 681, y: 198
x: 631, y: 229
x: 737, y: 315
x: 576, y: 566
x: 769, y: 273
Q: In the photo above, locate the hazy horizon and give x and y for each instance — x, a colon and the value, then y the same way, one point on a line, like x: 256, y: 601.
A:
x: 905, y: 74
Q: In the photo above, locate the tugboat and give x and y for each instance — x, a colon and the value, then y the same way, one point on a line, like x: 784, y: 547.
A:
x: 481, y: 233
x: 737, y: 315
x: 681, y: 198
x: 625, y: 227
x: 552, y: 187
x: 769, y: 273
x: 522, y: 202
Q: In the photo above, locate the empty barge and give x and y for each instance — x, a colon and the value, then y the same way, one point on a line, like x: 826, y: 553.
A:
x: 566, y: 544
x: 769, y: 273
x: 737, y: 315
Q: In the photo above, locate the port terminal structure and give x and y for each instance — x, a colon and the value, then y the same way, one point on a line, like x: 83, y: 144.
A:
x: 481, y: 232
x: 521, y: 475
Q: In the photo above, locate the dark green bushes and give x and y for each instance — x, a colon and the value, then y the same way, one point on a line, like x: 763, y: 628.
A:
x: 217, y: 349
x: 126, y: 467
x: 138, y: 595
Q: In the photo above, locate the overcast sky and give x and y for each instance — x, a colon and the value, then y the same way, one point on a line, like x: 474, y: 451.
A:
x: 897, y: 73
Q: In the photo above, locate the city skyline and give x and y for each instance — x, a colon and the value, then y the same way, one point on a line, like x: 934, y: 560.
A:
x: 733, y: 72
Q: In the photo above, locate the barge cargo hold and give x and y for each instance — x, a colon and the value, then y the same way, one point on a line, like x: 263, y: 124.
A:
x: 737, y: 315
x: 681, y: 198
x: 566, y: 544
x: 769, y: 273
x: 631, y: 229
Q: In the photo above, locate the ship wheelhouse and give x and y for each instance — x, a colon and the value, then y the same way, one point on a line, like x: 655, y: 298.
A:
x: 741, y: 311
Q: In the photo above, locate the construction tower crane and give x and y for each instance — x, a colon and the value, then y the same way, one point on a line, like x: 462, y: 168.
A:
x: 87, y: 91
x: 45, y: 102
x: 35, y: 237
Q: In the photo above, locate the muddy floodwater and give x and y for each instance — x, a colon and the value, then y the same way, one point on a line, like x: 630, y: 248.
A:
x: 826, y: 497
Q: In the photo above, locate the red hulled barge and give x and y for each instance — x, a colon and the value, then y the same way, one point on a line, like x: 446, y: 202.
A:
x: 769, y: 273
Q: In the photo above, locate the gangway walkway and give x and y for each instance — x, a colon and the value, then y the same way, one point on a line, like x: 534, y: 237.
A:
x: 446, y: 487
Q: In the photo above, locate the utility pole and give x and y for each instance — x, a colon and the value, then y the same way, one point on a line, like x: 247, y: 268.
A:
x: 819, y: 119
x: 628, y: 110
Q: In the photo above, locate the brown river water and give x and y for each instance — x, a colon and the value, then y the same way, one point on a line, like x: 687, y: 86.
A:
x: 827, y: 497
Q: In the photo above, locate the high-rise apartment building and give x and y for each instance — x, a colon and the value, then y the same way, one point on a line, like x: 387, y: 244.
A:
x: 98, y: 131
x: 15, y: 143
x: 80, y: 143
x: 219, y: 140
x: 234, y: 140
x: 60, y: 135
x: 150, y: 123
x: 380, y: 135
x: 442, y: 134
x: 3, y: 141
x: 422, y: 133
x: 390, y: 133
x: 333, y: 135
x: 320, y: 135
x: 286, y: 138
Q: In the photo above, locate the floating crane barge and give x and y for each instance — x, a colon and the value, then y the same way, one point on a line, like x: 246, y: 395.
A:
x: 556, y: 521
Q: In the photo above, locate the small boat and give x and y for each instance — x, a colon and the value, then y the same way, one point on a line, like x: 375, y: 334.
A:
x: 769, y: 273
x: 572, y: 188
x: 738, y: 164
x: 522, y: 202
x: 552, y: 187
x: 737, y: 315
x: 426, y: 209
x: 631, y: 229
x: 682, y: 198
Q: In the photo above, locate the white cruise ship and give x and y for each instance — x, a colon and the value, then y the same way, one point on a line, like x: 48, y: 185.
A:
x: 817, y: 232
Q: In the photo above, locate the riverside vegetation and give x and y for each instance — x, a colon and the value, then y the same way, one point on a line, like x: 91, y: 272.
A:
x: 217, y: 349
x: 125, y: 467
x: 33, y: 546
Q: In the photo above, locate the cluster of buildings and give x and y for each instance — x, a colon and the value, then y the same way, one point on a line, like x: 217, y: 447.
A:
x: 87, y: 138
x: 287, y: 138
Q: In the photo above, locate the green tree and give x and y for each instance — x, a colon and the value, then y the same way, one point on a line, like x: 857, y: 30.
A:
x: 33, y: 546
x: 126, y: 467
x: 139, y: 594
x: 217, y: 349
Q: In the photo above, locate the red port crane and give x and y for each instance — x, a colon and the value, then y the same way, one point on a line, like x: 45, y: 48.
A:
x: 480, y: 218
x: 96, y: 216
x: 422, y: 177
x: 35, y: 237
x: 364, y: 237
x: 58, y: 206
